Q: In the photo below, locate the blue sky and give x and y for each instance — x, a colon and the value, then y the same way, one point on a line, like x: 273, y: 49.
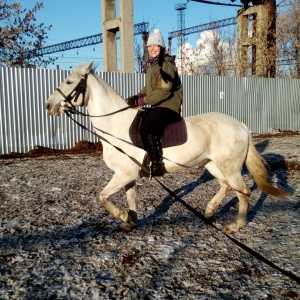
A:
x: 80, y: 18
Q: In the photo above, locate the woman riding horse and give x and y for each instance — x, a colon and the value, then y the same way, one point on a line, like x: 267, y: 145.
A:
x: 163, y: 91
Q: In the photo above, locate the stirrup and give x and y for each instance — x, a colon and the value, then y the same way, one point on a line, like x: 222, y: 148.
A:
x: 157, y: 169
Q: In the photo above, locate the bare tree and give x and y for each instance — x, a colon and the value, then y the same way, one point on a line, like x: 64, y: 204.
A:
x: 19, y: 34
x: 288, y: 40
x: 219, y: 55
x: 141, y: 54
x: 188, y: 60
x: 215, y: 55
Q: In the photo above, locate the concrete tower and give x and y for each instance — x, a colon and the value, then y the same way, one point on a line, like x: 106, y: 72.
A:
x: 110, y: 26
x: 257, y: 39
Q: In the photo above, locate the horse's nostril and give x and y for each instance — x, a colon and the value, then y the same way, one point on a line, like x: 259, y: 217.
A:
x: 48, y: 106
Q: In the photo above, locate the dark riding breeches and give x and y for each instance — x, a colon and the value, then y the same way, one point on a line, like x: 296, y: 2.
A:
x: 153, y: 126
x: 156, y: 120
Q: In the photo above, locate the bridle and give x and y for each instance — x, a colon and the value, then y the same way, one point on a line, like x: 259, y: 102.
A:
x: 80, y: 88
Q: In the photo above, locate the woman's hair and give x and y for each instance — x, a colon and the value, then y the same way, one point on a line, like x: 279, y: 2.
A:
x: 161, y: 55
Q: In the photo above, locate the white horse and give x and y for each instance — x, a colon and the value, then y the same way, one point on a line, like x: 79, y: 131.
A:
x: 215, y: 141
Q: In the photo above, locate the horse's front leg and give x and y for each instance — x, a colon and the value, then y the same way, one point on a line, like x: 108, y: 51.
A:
x: 115, y: 184
x: 132, y: 219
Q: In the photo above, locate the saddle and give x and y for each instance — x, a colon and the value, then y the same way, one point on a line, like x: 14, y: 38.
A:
x: 175, y: 134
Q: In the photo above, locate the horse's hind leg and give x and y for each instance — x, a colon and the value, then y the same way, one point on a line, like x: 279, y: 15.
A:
x: 243, y: 194
x: 228, y: 181
x: 116, y: 183
x: 242, y: 214
x: 214, y: 203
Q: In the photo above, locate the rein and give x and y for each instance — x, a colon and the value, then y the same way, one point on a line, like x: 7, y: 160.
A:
x: 80, y: 88
x: 73, y: 110
x: 194, y: 211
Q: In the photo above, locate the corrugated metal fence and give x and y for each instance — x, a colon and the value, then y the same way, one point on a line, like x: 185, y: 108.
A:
x: 261, y: 103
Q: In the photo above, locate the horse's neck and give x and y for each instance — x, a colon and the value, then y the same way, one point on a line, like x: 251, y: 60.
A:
x: 105, y: 100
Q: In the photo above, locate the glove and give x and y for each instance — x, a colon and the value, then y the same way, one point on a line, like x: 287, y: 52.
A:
x: 133, y: 101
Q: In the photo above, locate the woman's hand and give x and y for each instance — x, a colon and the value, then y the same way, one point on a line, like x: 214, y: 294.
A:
x: 133, y: 101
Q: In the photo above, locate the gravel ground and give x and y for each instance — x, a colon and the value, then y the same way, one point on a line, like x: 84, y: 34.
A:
x: 58, y: 242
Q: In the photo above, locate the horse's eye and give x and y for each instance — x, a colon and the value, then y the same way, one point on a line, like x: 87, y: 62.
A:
x: 69, y: 82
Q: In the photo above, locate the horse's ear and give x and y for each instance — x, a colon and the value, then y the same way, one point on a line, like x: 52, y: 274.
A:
x: 88, y: 68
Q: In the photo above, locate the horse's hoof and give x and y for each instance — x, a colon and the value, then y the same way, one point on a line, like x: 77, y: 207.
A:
x: 132, y: 217
x: 209, y: 215
x: 210, y: 219
x: 125, y: 227
x: 233, y: 228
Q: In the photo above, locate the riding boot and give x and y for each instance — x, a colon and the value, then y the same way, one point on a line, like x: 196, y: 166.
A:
x: 154, y: 149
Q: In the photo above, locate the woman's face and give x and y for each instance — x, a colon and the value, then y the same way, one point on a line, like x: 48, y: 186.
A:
x: 154, y: 50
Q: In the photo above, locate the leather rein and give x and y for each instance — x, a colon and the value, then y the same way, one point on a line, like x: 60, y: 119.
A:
x: 80, y: 88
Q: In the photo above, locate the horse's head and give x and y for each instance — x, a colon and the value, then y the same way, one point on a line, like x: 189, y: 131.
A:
x: 71, y: 93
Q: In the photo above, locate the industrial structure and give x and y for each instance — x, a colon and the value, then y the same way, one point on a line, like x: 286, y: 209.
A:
x: 255, y: 49
x: 139, y: 29
x: 257, y: 39
x: 256, y: 55
x: 201, y: 28
x: 181, y: 7
x: 256, y: 36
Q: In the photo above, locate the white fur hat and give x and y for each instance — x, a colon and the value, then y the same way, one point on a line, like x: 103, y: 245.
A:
x: 156, y: 38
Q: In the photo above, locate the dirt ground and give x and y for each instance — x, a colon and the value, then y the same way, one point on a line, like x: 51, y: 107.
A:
x: 58, y: 242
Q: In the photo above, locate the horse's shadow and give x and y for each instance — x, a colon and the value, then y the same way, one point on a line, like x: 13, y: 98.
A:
x: 168, y: 201
x: 277, y: 171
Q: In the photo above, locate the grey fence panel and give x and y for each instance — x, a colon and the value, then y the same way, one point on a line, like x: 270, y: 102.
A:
x: 260, y: 103
x: 24, y: 121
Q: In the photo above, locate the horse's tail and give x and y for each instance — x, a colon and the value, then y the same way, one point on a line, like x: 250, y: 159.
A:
x: 258, y: 168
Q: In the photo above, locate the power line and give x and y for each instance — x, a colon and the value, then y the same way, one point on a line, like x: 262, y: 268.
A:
x: 215, y: 3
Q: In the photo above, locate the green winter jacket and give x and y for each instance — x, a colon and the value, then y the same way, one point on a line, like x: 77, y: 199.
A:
x: 163, y: 86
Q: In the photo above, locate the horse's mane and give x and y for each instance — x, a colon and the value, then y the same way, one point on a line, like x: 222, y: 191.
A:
x: 79, y: 68
x: 93, y: 71
x: 107, y: 86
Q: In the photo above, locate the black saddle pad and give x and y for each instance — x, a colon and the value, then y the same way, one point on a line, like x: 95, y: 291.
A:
x: 175, y: 134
